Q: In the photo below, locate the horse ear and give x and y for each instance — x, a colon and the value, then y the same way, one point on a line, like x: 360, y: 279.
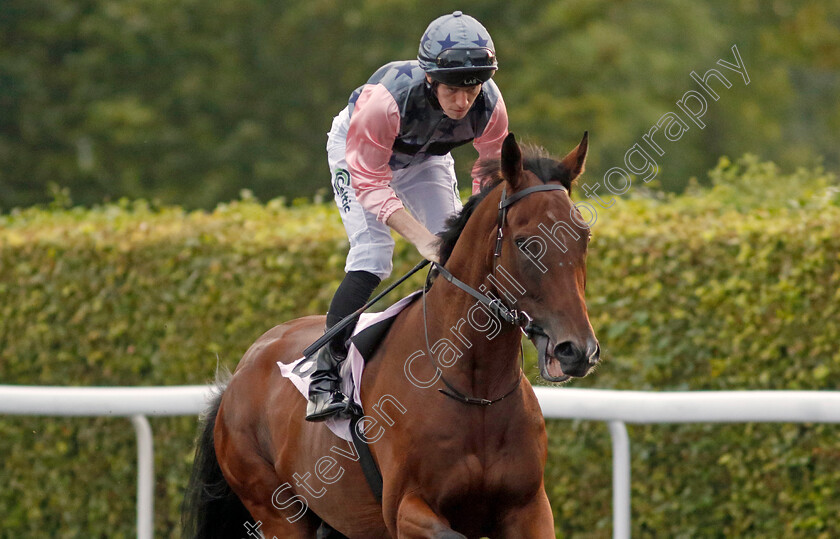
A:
x: 511, y: 160
x: 575, y: 162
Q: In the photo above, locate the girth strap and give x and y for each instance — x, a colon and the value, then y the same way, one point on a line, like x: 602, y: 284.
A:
x: 369, y: 467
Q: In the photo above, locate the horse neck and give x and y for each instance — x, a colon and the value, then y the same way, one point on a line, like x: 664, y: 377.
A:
x: 486, y: 347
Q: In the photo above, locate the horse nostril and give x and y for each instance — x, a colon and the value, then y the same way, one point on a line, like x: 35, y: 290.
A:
x: 565, y: 350
x: 594, y: 354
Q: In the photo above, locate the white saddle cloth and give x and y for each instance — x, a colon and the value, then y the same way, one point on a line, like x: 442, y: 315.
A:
x: 351, y: 369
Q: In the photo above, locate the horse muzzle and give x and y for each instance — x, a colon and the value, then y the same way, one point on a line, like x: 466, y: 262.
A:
x: 559, y: 362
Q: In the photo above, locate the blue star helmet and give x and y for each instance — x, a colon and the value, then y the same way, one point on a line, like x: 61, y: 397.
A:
x: 458, y: 51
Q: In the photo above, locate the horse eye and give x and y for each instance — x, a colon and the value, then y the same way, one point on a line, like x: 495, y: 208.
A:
x: 519, y: 242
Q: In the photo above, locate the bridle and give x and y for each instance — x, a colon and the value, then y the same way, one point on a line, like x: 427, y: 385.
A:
x: 516, y: 317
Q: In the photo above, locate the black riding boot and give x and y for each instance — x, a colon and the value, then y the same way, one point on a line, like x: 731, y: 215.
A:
x: 325, y: 396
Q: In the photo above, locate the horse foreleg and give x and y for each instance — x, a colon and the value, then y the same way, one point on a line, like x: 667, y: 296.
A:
x: 534, y: 520
x: 415, y: 519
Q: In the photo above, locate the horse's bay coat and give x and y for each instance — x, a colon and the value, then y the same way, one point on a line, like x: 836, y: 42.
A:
x: 449, y: 469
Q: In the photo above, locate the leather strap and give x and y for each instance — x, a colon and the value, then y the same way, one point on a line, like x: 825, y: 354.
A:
x: 511, y: 316
x: 527, y: 191
x: 369, y: 467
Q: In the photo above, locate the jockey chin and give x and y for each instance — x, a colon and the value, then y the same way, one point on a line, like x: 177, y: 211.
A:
x: 388, y: 154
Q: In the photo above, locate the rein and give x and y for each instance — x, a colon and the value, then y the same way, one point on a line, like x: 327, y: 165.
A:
x: 347, y: 320
x: 453, y: 392
x: 515, y: 317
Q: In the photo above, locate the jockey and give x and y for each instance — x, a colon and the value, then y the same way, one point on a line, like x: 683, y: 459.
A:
x: 388, y: 153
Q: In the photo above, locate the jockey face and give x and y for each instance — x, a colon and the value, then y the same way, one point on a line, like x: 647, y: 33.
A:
x: 456, y: 101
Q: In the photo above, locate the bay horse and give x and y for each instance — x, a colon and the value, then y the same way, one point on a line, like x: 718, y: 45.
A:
x: 454, y: 427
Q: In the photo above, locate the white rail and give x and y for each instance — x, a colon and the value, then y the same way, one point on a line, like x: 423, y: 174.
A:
x: 133, y: 402
x: 620, y: 407
x: 614, y: 407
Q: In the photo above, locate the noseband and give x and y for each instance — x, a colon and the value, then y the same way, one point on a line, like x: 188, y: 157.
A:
x: 516, y: 317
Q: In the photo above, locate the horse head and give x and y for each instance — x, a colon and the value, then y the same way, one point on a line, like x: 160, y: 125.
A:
x: 544, y: 249
x: 538, y: 245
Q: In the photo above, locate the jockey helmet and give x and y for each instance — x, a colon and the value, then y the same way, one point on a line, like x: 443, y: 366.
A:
x: 458, y: 51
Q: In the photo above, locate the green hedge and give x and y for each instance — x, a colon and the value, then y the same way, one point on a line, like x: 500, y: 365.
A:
x: 733, y: 288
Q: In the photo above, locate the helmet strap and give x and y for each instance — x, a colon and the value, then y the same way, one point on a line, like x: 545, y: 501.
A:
x: 431, y: 94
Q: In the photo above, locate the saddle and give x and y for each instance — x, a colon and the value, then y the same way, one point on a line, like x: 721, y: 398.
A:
x: 369, y: 333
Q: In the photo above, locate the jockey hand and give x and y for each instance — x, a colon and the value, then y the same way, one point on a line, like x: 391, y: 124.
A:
x: 412, y: 230
x: 429, y: 251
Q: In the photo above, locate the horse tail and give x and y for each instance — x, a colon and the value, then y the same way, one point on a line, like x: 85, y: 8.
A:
x: 210, y: 509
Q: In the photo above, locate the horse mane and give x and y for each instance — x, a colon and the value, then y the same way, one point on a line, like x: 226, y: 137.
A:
x: 535, y: 159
